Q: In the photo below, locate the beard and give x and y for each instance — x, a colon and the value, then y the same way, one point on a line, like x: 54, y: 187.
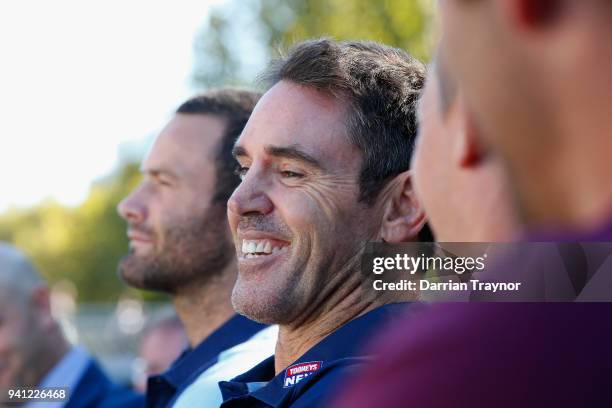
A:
x: 194, y: 251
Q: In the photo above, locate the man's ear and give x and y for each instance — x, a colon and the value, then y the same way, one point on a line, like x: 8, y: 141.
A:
x: 468, y: 150
x: 403, y: 214
x: 41, y: 305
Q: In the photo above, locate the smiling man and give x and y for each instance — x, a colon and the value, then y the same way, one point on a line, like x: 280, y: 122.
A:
x: 324, y: 170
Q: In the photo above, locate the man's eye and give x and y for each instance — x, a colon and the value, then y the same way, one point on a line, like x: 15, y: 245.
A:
x: 241, y: 171
x: 291, y: 174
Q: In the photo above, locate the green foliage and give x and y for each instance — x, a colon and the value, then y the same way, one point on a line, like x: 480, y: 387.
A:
x: 81, y: 244
x: 263, y: 27
x: 84, y: 244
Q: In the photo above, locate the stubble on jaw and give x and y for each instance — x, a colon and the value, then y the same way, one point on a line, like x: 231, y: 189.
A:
x: 194, y: 252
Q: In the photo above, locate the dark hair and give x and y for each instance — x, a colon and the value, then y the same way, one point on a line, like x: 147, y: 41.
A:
x: 235, y: 106
x: 381, y: 86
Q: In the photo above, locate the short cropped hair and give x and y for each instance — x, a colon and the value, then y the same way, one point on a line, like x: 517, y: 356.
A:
x: 235, y: 107
x: 18, y: 276
x: 380, y: 85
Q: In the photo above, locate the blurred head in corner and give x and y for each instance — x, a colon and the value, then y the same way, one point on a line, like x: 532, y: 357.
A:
x: 31, y: 341
x: 161, y: 343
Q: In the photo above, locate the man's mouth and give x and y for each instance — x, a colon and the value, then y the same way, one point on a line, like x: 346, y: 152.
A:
x: 254, y: 248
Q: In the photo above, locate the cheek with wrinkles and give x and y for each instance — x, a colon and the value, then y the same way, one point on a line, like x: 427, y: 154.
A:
x: 331, y: 194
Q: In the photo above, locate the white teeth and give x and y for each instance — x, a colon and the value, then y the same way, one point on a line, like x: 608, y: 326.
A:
x: 252, y: 248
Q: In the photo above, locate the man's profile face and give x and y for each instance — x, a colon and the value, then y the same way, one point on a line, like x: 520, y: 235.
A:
x: 295, y: 217
x: 483, y: 50
x: 504, y: 65
x: 177, y: 236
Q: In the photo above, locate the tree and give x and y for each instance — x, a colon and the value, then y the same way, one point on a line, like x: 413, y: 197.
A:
x: 239, y: 38
x: 82, y: 244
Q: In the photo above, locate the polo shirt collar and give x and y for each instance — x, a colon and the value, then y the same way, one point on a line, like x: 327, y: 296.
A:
x: 261, y: 382
x: 191, y: 362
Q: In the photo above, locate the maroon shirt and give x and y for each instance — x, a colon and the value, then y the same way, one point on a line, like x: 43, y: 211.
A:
x: 499, y: 354
x: 492, y: 355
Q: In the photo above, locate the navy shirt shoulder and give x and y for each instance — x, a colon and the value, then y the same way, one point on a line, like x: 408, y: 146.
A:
x: 311, y: 380
x: 164, y: 389
x: 95, y: 390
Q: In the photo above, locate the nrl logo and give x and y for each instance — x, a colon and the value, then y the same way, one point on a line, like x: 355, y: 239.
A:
x: 297, y: 372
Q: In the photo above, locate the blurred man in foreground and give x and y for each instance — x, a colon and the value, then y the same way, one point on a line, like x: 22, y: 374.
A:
x: 323, y: 172
x: 536, y: 77
x: 465, y: 194
x: 33, y: 349
x: 180, y: 244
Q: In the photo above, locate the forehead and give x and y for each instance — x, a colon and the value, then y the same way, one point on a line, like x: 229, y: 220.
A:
x: 290, y: 114
x: 186, y: 145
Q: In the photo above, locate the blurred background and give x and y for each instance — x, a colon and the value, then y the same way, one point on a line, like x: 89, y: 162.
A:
x: 85, y: 87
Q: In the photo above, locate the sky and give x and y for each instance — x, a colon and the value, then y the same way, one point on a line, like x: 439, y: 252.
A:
x: 81, y: 81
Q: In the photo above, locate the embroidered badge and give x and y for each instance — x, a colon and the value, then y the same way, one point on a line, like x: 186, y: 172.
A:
x: 297, y: 372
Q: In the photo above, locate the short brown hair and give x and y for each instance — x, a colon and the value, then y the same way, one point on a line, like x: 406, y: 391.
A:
x: 381, y: 86
x: 235, y: 106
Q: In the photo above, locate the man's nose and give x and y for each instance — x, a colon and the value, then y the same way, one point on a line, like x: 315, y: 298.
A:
x: 132, y: 207
x: 251, y: 197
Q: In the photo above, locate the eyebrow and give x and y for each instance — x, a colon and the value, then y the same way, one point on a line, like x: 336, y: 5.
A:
x: 288, y: 152
x: 239, y: 151
x: 156, y: 172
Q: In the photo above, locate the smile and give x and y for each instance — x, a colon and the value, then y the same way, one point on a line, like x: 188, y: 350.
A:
x: 254, y: 248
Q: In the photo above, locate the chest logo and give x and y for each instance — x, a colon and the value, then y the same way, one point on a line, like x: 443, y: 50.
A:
x: 297, y: 372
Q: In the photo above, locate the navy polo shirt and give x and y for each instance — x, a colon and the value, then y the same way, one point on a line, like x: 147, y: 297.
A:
x: 311, y: 379
x: 163, y: 389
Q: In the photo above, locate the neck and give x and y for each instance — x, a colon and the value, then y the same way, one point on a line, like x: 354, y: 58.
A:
x: 204, y: 307
x: 55, y: 348
x: 347, y: 302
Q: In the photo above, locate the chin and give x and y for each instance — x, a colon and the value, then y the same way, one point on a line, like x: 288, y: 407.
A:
x: 260, y: 306
x: 129, y: 271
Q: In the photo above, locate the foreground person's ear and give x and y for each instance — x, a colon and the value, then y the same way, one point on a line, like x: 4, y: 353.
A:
x: 403, y: 216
